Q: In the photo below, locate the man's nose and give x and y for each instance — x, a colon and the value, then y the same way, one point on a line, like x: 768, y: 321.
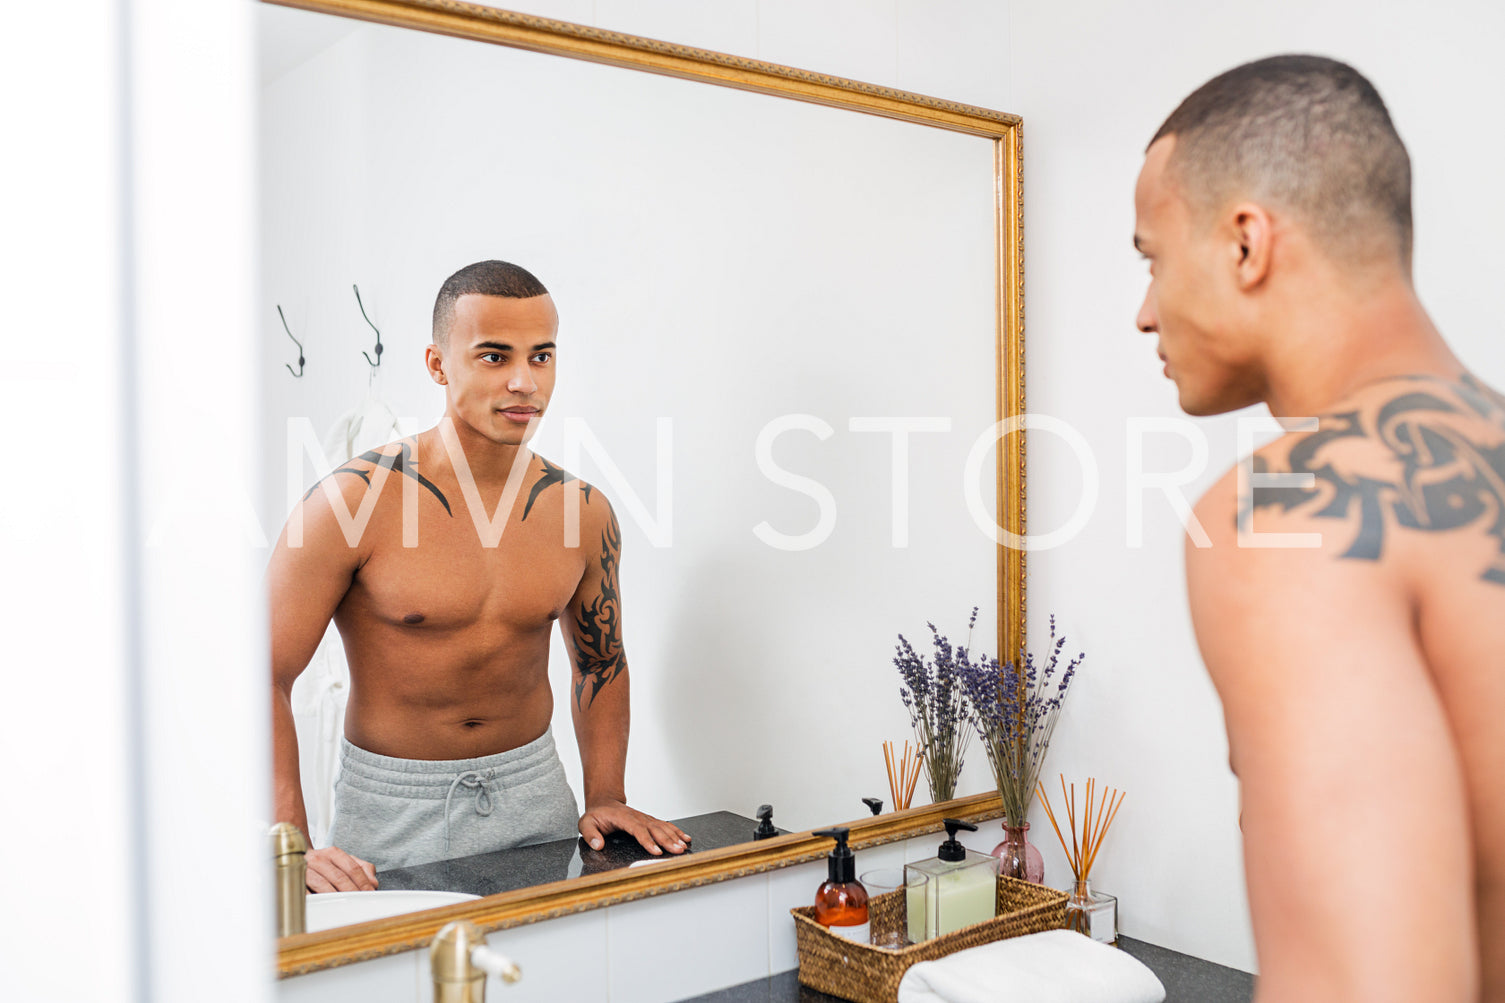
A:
x: 521, y: 380
x: 1146, y: 320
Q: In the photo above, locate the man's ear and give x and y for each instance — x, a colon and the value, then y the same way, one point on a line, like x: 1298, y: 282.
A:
x: 1253, y: 235
x: 433, y: 360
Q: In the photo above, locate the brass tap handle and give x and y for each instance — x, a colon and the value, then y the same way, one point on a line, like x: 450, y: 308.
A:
x: 460, y: 959
x: 288, y: 849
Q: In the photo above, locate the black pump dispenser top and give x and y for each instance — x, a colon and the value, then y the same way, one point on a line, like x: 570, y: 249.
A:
x: 765, y: 829
x: 951, y: 850
x: 841, y: 865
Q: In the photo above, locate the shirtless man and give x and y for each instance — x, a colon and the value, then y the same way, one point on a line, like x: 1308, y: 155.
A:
x: 444, y: 598
x: 1360, y: 670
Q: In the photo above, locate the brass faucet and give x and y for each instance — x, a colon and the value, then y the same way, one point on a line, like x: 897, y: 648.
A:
x: 460, y: 961
x: 288, y: 849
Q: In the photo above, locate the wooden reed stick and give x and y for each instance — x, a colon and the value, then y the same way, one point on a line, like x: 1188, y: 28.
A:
x: 1112, y: 812
x: 1099, y: 809
x: 903, y: 773
x: 1070, y: 816
x: 888, y: 762
x: 1052, y: 816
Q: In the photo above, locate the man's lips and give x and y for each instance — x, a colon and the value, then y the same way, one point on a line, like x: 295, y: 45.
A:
x: 522, y: 415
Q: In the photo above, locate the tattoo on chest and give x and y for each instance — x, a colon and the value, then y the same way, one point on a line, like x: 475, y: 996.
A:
x: 401, y: 462
x: 598, y: 626
x: 551, y: 475
x: 1449, y: 477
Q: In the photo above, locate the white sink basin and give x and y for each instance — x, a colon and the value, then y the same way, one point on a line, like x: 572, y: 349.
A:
x: 331, y: 909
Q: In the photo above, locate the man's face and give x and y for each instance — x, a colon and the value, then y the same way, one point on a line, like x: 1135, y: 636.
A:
x: 498, y: 365
x: 1192, y: 303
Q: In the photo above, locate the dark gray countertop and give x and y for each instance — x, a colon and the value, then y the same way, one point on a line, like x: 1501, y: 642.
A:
x: 1186, y: 980
x: 526, y: 866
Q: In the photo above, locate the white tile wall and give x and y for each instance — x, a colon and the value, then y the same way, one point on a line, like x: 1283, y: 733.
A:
x: 688, y: 943
x: 386, y: 980
x: 787, y: 888
x: 561, y: 959
x: 874, y: 857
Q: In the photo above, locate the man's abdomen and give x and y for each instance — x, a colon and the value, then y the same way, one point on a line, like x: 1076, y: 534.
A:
x: 450, y: 698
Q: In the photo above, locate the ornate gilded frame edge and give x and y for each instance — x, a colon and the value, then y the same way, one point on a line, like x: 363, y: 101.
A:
x: 361, y: 942
x: 311, y: 952
x: 576, y: 41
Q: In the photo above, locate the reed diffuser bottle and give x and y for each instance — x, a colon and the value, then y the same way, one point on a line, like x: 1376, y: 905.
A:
x: 1094, y: 914
x: 1088, y: 912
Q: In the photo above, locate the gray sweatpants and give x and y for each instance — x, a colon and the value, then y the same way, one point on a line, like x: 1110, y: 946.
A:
x: 400, y: 812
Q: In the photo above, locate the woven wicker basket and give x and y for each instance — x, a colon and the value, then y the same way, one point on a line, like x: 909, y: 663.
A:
x: 867, y: 974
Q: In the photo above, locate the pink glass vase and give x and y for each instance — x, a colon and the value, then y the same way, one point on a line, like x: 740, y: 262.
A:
x: 1017, y: 856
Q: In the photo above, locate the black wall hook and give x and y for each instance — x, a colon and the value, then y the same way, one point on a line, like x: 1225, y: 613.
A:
x: 299, y: 373
x: 377, y: 361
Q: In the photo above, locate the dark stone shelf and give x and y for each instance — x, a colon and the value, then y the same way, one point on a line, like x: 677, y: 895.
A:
x: 541, y: 863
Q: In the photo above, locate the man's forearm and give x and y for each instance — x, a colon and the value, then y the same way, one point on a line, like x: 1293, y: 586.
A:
x: 601, y: 731
x: 287, y: 783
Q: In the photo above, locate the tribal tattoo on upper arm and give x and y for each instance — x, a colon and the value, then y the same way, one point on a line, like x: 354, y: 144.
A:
x: 598, y: 625
x: 1449, y: 478
x: 401, y: 461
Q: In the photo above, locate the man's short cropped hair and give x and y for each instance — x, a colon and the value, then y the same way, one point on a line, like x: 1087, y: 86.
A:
x: 484, y: 278
x: 1309, y: 134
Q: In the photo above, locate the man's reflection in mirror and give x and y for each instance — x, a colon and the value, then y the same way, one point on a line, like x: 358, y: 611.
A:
x: 444, y: 559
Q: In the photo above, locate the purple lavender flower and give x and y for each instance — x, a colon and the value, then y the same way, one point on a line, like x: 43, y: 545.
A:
x: 935, y: 694
x: 1014, y: 710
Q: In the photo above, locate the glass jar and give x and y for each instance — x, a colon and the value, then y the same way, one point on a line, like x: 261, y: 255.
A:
x: 1017, y: 856
x: 1092, y: 913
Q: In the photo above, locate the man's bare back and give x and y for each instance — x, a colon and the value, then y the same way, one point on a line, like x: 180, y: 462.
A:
x: 1362, y: 679
x: 1352, y: 623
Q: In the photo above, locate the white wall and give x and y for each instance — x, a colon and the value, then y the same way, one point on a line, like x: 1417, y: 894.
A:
x: 66, y: 548
x: 1093, y: 82
x: 135, y: 625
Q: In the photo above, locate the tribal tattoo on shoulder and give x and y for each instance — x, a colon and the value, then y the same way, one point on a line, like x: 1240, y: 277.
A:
x: 401, y: 462
x: 551, y: 475
x: 1449, y: 477
x: 598, y: 626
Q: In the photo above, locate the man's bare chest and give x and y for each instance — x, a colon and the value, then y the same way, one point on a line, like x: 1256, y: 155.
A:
x: 443, y: 572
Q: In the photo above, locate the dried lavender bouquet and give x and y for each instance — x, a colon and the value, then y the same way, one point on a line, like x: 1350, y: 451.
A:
x: 935, y: 694
x: 1015, y: 714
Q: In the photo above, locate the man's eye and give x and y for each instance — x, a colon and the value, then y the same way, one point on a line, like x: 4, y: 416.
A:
x: 492, y: 357
x: 542, y: 358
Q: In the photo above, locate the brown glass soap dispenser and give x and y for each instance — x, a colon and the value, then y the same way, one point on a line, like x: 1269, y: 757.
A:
x: 841, y: 901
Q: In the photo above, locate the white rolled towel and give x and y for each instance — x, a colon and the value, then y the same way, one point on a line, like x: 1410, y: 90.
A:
x: 1057, y: 966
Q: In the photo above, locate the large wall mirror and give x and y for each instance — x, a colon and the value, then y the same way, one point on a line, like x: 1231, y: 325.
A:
x: 790, y: 317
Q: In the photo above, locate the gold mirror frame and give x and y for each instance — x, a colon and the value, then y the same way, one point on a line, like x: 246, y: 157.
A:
x: 364, y: 941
